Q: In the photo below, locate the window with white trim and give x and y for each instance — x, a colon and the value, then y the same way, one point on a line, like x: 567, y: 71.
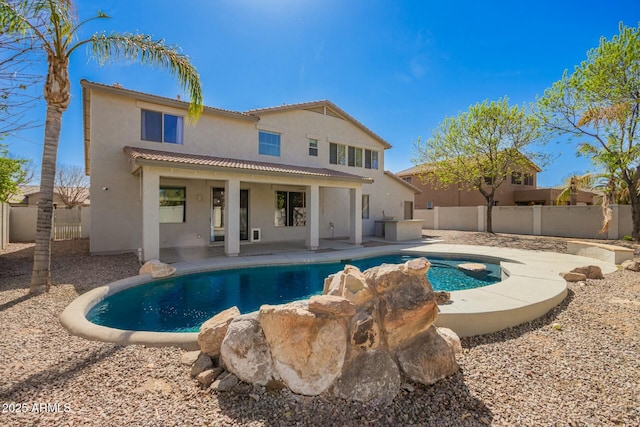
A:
x: 313, y: 147
x: 161, y: 127
x: 269, y: 143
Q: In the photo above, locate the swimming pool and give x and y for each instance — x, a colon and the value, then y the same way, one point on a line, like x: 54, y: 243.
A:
x: 183, y: 303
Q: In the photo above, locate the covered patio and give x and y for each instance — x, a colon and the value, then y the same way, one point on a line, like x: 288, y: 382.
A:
x: 262, y: 181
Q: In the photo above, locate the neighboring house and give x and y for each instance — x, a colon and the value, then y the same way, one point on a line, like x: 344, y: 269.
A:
x: 519, y: 189
x: 290, y: 173
x: 29, y: 195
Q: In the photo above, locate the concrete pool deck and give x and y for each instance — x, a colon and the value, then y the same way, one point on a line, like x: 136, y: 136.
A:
x: 531, y: 286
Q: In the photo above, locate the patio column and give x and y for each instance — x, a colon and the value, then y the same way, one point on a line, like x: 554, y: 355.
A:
x: 313, y: 217
x: 232, y: 217
x: 355, y: 214
x: 150, y: 214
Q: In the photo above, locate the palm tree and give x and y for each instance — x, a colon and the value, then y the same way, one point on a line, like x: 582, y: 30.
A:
x: 54, y: 26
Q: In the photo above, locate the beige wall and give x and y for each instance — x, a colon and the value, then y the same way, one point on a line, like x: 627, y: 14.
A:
x: 571, y: 221
x: 115, y: 192
x: 22, y: 224
x: 562, y: 221
x: 23, y: 219
x: 4, y: 225
x: 463, y: 218
x: 512, y: 219
x: 452, y: 196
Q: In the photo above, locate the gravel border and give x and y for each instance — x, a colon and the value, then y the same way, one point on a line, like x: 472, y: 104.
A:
x: 577, y: 365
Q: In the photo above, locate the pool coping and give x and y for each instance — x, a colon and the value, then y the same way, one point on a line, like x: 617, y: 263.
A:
x: 531, y: 286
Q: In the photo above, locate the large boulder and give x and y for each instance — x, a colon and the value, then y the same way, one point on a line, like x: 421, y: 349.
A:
x: 364, y: 331
x: 631, y: 265
x: 407, y: 304
x: 590, y: 271
x: 371, y: 377
x: 331, y: 304
x: 349, y: 283
x: 428, y: 358
x: 308, y: 350
x: 245, y: 353
x: 212, y: 331
x: 157, y: 269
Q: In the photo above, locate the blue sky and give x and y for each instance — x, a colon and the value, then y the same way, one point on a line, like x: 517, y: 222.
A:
x: 399, y: 67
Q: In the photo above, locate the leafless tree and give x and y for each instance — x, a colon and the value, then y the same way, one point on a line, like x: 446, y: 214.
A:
x: 17, y: 76
x: 71, y: 185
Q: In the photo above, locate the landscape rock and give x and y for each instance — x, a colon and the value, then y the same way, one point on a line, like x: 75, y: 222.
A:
x: 452, y: 338
x: 473, y: 267
x: 157, y: 269
x: 365, y: 328
x: 189, y: 357
x: 349, y: 283
x: 212, y: 331
x: 225, y: 382
x: 308, y: 351
x: 371, y: 377
x: 590, y: 272
x: 443, y: 297
x: 631, y: 265
x: 360, y: 340
x: 407, y: 302
x: 206, y: 378
x: 574, y: 277
x: 245, y: 353
x: 428, y: 358
x: 331, y: 304
x: 202, y: 363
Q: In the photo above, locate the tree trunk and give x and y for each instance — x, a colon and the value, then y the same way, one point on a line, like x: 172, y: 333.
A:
x: 41, y: 274
x: 635, y: 215
x: 489, y: 227
x: 57, y: 95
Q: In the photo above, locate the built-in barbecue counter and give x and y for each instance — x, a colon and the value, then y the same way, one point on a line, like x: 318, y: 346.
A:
x: 398, y: 230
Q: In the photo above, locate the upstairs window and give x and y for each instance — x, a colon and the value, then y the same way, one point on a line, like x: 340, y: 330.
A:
x: 528, y: 179
x: 516, y: 178
x: 337, y: 154
x: 367, y: 159
x: 269, y: 143
x: 161, y: 127
x: 407, y: 179
x: 313, y: 147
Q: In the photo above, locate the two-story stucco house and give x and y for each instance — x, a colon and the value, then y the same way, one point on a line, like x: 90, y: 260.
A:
x: 299, y: 172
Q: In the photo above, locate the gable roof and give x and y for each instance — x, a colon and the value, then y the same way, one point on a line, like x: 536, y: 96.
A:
x: 415, y: 189
x: 144, y: 155
x: 324, y: 107
x: 116, y: 89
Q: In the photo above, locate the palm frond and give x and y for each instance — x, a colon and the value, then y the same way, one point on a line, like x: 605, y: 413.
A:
x: 141, y: 48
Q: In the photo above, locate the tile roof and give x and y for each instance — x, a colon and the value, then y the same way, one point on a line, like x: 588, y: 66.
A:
x: 136, y: 153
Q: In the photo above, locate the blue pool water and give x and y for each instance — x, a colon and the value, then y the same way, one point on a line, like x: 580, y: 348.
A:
x: 183, y: 303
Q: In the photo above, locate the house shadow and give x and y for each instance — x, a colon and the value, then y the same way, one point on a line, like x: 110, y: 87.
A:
x: 448, y: 402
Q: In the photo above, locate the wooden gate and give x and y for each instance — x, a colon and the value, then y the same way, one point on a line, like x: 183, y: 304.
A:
x: 67, y: 224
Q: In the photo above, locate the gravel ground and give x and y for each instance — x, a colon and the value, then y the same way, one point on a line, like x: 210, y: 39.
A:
x: 578, y: 365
